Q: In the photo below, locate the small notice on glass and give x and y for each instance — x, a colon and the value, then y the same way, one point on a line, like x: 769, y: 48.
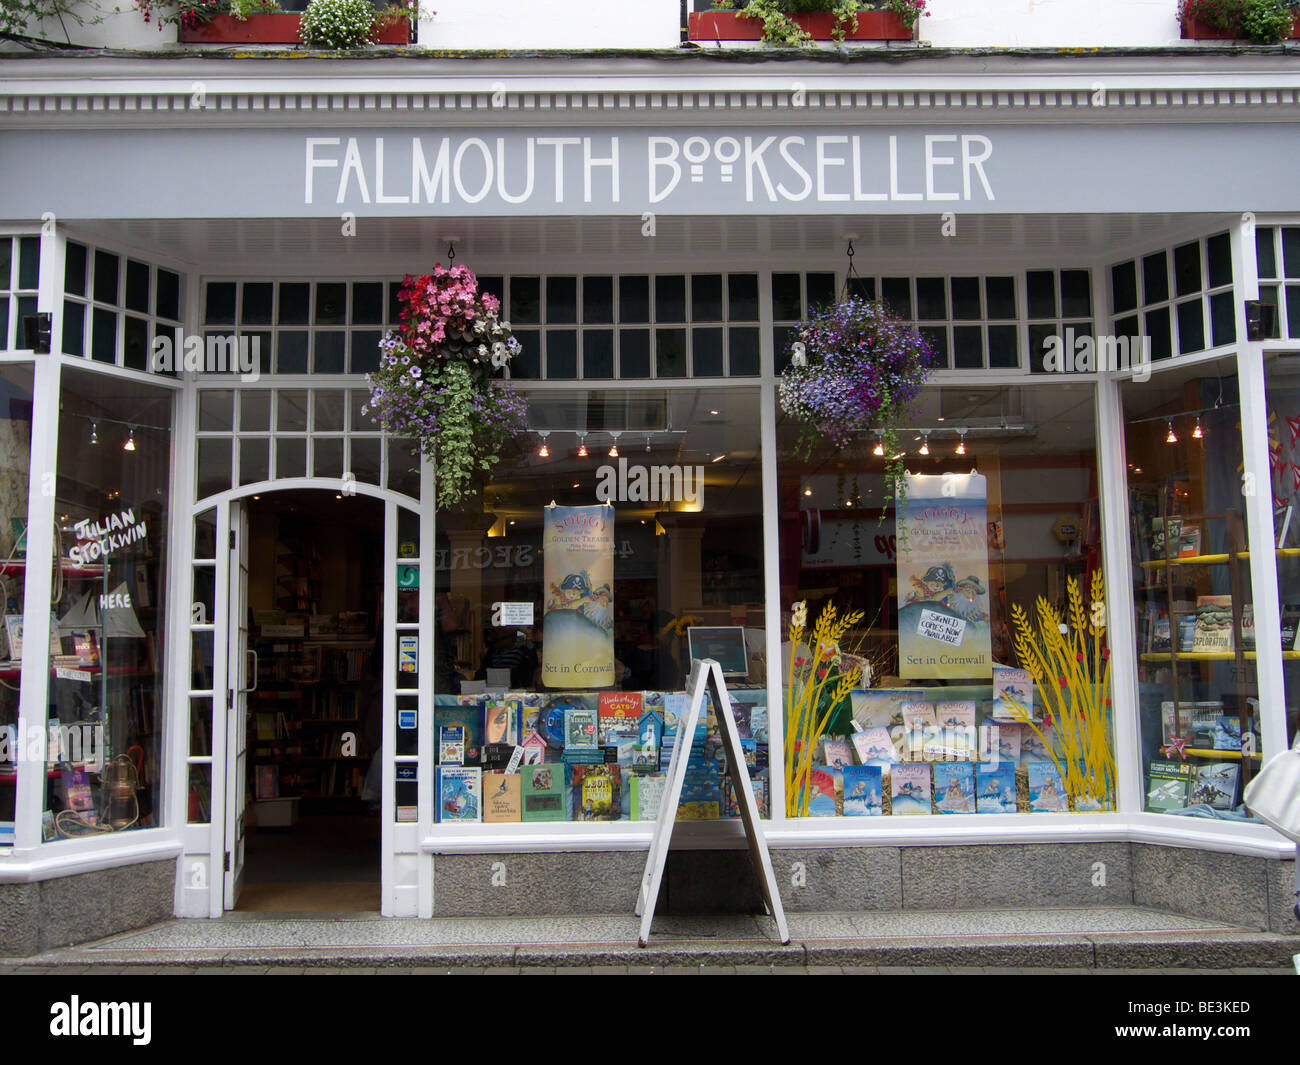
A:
x: 408, y: 654
x: 516, y: 614
x: 941, y: 627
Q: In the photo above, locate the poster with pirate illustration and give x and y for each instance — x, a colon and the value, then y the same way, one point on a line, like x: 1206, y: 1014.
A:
x: 943, y: 578
x: 578, y: 616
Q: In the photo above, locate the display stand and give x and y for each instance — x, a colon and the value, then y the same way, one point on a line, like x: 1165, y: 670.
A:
x: 707, y: 673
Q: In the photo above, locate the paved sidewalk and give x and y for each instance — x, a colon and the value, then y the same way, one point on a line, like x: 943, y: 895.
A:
x: 1079, y: 940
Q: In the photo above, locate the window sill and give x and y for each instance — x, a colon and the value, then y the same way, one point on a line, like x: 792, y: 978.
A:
x: 268, y: 29
x: 729, y: 26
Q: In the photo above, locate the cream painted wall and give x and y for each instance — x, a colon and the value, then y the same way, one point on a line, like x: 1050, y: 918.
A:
x: 1050, y: 23
x: 552, y: 24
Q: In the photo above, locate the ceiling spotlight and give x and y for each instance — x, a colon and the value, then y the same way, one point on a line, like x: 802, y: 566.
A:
x: 94, y: 434
x: 1172, y: 438
x: 961, y: 442
x: 582, y: 445
x: 1196, y: 433
x: 714, y: 413
x: 719, y: 458
x: 613, y: 448
x: 647, y: 441
x: 879, y: 449
x: 130, y: 440
x: 544, y: 451
x: 925, y: 443
x: 807, y: 491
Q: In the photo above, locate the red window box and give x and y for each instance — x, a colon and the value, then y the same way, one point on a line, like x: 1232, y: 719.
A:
x: 729, y: 26
x: 1196, y: 30
x: 269, y: 29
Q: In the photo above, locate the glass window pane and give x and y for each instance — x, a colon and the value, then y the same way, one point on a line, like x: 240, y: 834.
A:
x: 966, y: 298
x: 366, y: 452
x: 1187, y: 268
x: 358, y: 398
x: 404, y: 468
x: 1291, y: 250
x: 1000, y: 294
x: 1223, y: 319
x: 213, y: 466
x: 331, y: 303
x: 219, y: 305
x: 525, y: 300
x: 368, y: 303
x: 598, y: 354
x: 26, y: 309
x: 1292, y: 310
x: 670, y: 298
x: 331, y: 348
x: 254, y: 459
x: 205, y: 533
x: 137, y: 286
x: 103, y: 335
x: 597, y: 299
x: 394, y: 315
x: 494, y: 286
x: 365, y: 350
x: 29, y: 263
x: 1157, y: 327
x: 74, y: 267
x: 742, y: 297
x: 670, y: 352
x: 787, y: 303
x: 561, y: 354
x: 290, y: 456
x: 938, y: 336
x: 200, y: 733
x: 1123, y: 287
x: 706, y: 298
x: 1002, y: 346
x: 863, y: 288
x: 561, y: 300
x: 634, y: 299
x: 295, y: 304
x: 1219, y: 255
x: 255, y: 304
x: 106, y: 277
x: 634, y: 353
x: 1155, y: 278
x: 1076, y: 293
x: 135, y: 343
x: 1191, y: 326
x: 1041, y: 292
x: 897, y: 293
x: 706, y: 354
x: 199, y: 808
x: 968, y: 347
x: 931, y: 299
x: 291, y: 351
x: 742, y: 351
x: 1039, y: 335
x: 74, y: 328
x: 167, y: 297
x: 1265, y: 253
x: 4, y: 325
x: 821, y: 289
x: 255, y: 411
x: 291, y: 411
x: 527, y: 363
x: 327, y: 415
x: 216, y: 410
x: 327, y: 456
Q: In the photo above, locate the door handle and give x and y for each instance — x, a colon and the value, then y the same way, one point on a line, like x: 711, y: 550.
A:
x: 246, y: 691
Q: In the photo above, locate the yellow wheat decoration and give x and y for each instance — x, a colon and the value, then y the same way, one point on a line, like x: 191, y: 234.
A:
x: 806, y: 682
x: 1073, y: 674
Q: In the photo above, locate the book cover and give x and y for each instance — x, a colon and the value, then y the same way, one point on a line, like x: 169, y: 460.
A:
x: 597, y: 792
x: 836, y: 753
x: 578, y: 605
x: 502, y: 803
x: 85, y: 648
x: 954, y: 787
x: 995, y: 784
x: 1158, y: 631
x: 701, y: 798
x: 647, y: 793
x: 76, y: 792
x: 1034, y: 749
x: 618, y: 710
x: 909, y: 789
x: 267, y: 782
x: 874, y: 747
x: 551, y: 718
x: 1248, y: 627
x: 1213, y: 623
x: 826, y: 791
x: 1290, y: 626
x: 758, y: 722
x: 1282, y: 524
x: 451, y: 745
x: 466, y: 711
x: 1046, y: 789
x: 957, y: 720
x: 1186, y: 631
x: 1189, y: 540
x: 862, y: 794
x: 542, y: 792
x: 882, y: 707
x: 500, y: 720
x: 580, y: 730
x: 924, y: 739
x: 1013, y: 694
x: 1227, y: 733
x: 1215, y: 785
x: 534, y: 749
x: 460, y: 793
x: 1169, y: 786
x: 1006, y: 741
x: 1165, y: 537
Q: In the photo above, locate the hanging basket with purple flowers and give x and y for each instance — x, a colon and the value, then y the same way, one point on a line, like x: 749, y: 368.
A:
x: 437, y: 381
x: 853, y: 367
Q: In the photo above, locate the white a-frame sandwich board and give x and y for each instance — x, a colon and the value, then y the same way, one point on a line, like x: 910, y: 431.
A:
x: 707, y: 674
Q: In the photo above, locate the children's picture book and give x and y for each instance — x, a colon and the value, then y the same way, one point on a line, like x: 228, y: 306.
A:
x: 874, y: 747
x: 1215, y: 785
x: 954, y: 787
x: 825, y: 791
x: 467, y: 712
x: 1032, y: 747
x: 618, y: 710
x: 451, y: 745
x: 1046, y: 789
x: 500, y: 720
x: 701, y: 798
x: 86, y: 648
x: 995, y: 788
x: 534, y: 749
x: 882, y: 707
x: 1003, y: 743
x: 552, y: 717
x: 502, y: 802
x: 580, y: 730
x: 909, y: 790
x: 1169, y: 786
x: 862, y: 791
x: 460, y: 793
x: 923, y: 737
x: 957, y: 720
x: 647, y: 793
x: 1213, y: 623
x: 758, y: 722
x: 597, y: 792
x: 1013, y: 694
x: 837, y: 753
x: 542, y: 792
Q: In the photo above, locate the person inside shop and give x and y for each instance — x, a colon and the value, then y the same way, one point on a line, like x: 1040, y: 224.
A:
x: 507, y: 648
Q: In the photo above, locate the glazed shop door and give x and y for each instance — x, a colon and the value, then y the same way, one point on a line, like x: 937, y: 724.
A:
x: 241, y: 678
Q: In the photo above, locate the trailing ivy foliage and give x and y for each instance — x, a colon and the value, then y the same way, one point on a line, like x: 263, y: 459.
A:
x: 1265, y: 21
